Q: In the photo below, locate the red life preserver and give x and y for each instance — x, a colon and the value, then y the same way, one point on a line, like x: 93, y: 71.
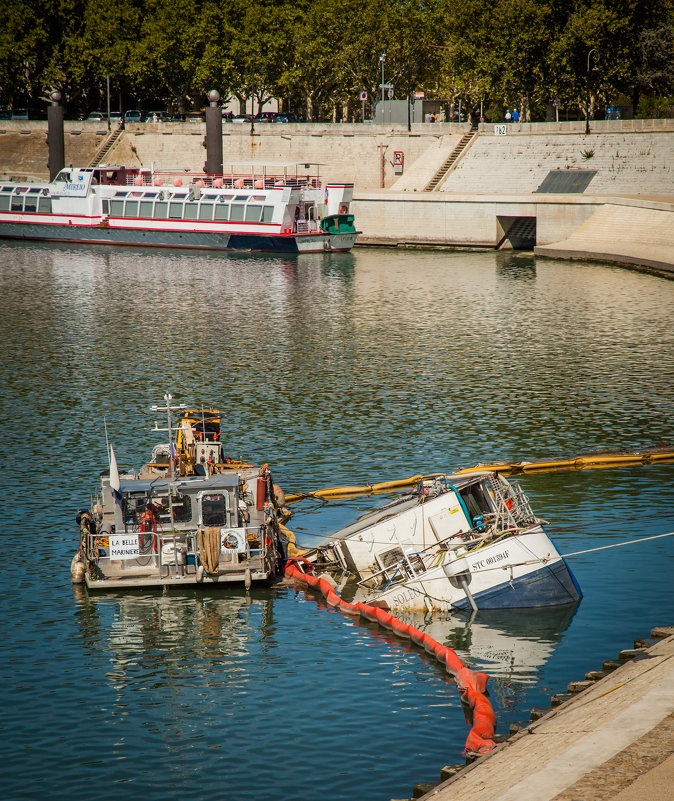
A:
x: 343, y: 209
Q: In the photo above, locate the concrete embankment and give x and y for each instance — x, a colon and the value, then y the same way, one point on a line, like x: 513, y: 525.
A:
x: 487, y: 199
x: 612, y: 739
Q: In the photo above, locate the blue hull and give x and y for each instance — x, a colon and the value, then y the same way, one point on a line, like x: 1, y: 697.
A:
x: 551, y: 586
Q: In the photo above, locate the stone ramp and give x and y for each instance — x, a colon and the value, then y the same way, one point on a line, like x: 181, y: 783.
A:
x: 607, y: 742
x: 625, y: 163
x: 627, y: 234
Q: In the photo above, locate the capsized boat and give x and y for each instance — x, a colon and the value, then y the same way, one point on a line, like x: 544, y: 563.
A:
x: 454, y: 542
x: 190, y: 515
x: 282, y: 208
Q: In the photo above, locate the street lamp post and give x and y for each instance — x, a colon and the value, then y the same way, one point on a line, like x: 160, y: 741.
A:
x: 587, y: 99
x: 382, y: 59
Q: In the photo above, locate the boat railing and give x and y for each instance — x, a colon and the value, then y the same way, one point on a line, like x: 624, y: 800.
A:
x: 307, y: 226
x: 415, y: 563
x: 174, y: 551
x: 170, y: 178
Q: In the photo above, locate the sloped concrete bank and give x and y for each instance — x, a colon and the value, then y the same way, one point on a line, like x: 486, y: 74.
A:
x: 610, y: 737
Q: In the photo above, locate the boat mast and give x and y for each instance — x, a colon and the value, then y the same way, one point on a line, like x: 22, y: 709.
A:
x: 168, y: 408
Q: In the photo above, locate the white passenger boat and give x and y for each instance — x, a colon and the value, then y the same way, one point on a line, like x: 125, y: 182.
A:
x: 188, y: 516
x: 462, y: 542
x: 279, y: 208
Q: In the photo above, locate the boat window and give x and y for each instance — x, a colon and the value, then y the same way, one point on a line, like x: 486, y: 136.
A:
x: 223, y: 198
x: 182, y: 508
x: 44, y: 205
x: 146, y: 208
x: 206, y: 211
x: 150, y: 194
x: 241, y: 197
x: 176, y: 210
x: 133, y: 507
x: 21, y: 189
x: 237, y: 212
x: 17, y: 203
x: 116, y: 208
x: 4, y: 203
x: 6, y: 189
x: 221, y: 212
x: 160, y: 210
x: 30, y: 204
x: 213, y: 510
x: 131, y: 208
x: 135, y: 194
x: 34, y: 191
x: 191, y: 210
x: 258, y: 197
x: 121, y: 194
x: 253, y: 213
x: 267, y: 213
x: 209, y: 197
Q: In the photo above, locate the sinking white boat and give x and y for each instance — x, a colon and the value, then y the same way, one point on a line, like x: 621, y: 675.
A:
x: 455, y: 542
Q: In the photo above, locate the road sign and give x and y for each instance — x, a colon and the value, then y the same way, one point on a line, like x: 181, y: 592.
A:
x: 363, y: 96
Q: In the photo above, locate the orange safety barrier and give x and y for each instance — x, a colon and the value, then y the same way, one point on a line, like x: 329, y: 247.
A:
x: 471, y: 685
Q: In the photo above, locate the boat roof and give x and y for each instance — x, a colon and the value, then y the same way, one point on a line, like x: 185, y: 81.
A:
x: 198, y: 483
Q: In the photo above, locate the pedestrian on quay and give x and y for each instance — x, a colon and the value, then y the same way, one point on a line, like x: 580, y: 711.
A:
x: 507, y: 115
x: 516, y: 115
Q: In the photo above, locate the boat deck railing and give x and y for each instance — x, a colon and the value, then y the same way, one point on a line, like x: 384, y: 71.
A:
x: 230, y: 181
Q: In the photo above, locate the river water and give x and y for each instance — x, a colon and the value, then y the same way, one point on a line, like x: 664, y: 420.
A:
x: 340, y: 369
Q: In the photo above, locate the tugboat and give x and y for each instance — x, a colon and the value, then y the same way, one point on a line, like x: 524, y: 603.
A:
x: 190, y: 515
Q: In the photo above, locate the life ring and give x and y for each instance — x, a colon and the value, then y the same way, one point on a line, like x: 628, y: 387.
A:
x: 343, y: 209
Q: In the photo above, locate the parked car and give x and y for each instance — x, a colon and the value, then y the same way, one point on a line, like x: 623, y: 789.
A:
x: 266, y: 116
x: 133, y: 115
x: 116, y: 117
x: 97, y: 116
x: 20, y: 114
x: 287, y: 118
x: 240, y: 118
x: 5, y: 114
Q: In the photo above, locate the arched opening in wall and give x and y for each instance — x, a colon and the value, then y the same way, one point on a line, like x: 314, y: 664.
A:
x: 515, y: 233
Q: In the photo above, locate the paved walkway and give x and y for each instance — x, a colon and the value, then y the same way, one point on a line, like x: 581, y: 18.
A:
x: 614, y: 740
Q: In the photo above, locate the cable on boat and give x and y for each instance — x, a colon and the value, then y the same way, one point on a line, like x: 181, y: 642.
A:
x: 471, y: 685
x: 579, y: 462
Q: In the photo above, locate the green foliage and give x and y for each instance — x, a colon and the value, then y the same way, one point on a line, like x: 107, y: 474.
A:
x: 317, y: 57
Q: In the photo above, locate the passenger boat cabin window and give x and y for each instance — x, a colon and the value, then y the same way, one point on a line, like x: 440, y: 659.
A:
x: 222, y: 213
x: 131, y: 209
x: 146, y: 207
x: 214, y: 510
x: 267, y: 213
x: 253, y: 213
x: 191, y: 211
x: 206, y: 211
x: 237, y: 212
x: 176, y: 210
x: 160, y: 211
x: 4, y: 202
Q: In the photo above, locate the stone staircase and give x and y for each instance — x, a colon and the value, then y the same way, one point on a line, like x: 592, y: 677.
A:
x: 106, y: 146
x: 450, y: 161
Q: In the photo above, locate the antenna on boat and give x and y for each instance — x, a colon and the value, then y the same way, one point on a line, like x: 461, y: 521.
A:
x: 168, y: 409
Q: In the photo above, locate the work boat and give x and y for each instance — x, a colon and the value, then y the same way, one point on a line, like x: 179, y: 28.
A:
x: 283, y: 208
x: 462, y: 542
x: 190, y: 515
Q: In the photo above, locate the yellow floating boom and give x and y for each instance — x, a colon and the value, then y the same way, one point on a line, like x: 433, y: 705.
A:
x: 578, y: 463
